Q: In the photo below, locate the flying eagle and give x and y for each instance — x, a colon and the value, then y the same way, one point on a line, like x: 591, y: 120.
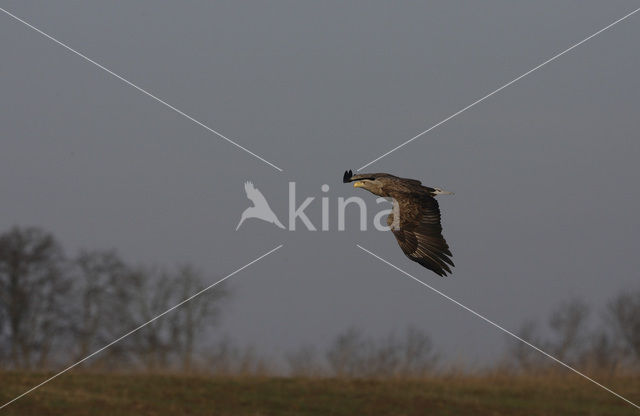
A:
x: 418, y: 229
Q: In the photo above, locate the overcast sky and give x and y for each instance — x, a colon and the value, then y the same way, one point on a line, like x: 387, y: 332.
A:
x: 545, y: 173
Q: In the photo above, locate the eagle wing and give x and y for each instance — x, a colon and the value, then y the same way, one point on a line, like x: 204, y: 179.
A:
x: 420, y: 232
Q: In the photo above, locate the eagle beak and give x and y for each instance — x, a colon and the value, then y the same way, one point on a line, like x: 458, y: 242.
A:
x: 358, y: 184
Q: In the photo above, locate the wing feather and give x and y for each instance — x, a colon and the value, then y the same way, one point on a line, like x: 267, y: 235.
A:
x: 420, y: 232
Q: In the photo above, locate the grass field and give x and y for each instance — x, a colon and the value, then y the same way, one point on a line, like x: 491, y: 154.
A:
x: 120, y: 394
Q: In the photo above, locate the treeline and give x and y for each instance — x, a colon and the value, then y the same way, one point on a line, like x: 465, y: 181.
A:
x: 57, y: 309
x: 352, y: 354
x: 605, y: 340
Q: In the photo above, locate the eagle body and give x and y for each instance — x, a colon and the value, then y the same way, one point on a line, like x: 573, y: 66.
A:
x: 418, y: 229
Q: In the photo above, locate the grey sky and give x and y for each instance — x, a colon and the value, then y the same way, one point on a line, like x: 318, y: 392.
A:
x: 545, y: 172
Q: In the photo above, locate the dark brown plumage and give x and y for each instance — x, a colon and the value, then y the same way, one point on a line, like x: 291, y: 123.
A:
x: 418, y: 230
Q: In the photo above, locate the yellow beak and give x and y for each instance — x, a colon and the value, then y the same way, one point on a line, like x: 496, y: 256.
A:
x: 358, y: 184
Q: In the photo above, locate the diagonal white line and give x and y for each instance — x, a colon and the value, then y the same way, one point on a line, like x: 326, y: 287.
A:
x: 499, y: 327
x: 142, y: 90
x: 501, y: 88
x: 140, y: 327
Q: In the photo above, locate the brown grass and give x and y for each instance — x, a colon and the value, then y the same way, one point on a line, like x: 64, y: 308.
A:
x: 500, y: 394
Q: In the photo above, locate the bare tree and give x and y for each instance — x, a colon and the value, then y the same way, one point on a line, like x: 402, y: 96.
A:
x: 354, y: 355
x: 382, y: 357
x: 195, y: 316
x: 226, y: 358
x: 567, y: 340
x: 346, y: 355
x: 419, y: 357
x: 569, y: 324
x: 102, y: 295
x: 523, y: 356
x: 624, y: 314
x: 302, y: 362
x: 603, y: 352
x: 171, y: 340
x: 152, y: 293
x: 33, y: 286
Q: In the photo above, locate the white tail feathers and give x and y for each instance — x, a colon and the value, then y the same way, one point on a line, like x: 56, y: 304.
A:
x: 438, y: 191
